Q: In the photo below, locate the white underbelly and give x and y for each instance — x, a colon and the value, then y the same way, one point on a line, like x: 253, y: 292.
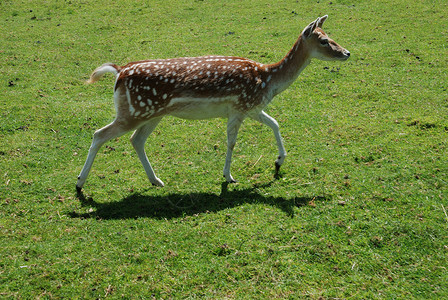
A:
x: 201, y: 108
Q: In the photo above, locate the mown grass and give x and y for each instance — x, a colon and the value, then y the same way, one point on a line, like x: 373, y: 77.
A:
x: 357, y: 213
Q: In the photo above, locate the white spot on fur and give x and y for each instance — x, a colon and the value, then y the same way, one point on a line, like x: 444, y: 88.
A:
x: 128, y: 96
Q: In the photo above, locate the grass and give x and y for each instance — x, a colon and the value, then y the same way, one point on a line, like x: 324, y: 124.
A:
x: 359, y: 211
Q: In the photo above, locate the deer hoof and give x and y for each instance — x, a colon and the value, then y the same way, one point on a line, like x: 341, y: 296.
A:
x: 158, y: 182
x: 230, y: 179
x: 277, y: 170
x: 277, y: 167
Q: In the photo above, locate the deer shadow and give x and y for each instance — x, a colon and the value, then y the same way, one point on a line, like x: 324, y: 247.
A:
x: 178, y: 205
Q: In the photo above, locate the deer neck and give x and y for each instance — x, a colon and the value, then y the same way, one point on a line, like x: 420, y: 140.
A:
x: 285, y: 72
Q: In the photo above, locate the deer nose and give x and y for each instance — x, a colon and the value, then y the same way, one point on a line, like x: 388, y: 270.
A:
x: 347, y: 53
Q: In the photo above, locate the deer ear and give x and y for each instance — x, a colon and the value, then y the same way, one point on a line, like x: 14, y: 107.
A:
x: 310, y: 28
x: 321, y: 21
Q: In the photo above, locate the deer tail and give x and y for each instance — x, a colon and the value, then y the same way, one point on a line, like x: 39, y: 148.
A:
x: 100, y: 71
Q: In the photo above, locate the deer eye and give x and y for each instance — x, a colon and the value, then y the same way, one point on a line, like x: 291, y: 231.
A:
x: 324, y: 42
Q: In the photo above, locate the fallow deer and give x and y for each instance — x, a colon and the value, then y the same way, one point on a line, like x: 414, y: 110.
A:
x: 201, y: 88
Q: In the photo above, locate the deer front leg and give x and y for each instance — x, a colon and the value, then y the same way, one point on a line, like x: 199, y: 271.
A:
x: 265, y: 119
x: 233, y: 125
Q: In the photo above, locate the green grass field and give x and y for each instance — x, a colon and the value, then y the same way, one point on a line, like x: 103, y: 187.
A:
x: 358, y: 212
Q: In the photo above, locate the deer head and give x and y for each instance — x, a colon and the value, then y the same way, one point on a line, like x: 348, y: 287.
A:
x: 320, y: 45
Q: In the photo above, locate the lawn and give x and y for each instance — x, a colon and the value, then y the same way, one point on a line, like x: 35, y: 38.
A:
x: 359, y: 210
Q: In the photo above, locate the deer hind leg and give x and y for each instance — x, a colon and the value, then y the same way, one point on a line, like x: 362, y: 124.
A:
x: 233, y: 125
x: 138, y: 140
x: 265, y: 119
x: 101, y: 136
